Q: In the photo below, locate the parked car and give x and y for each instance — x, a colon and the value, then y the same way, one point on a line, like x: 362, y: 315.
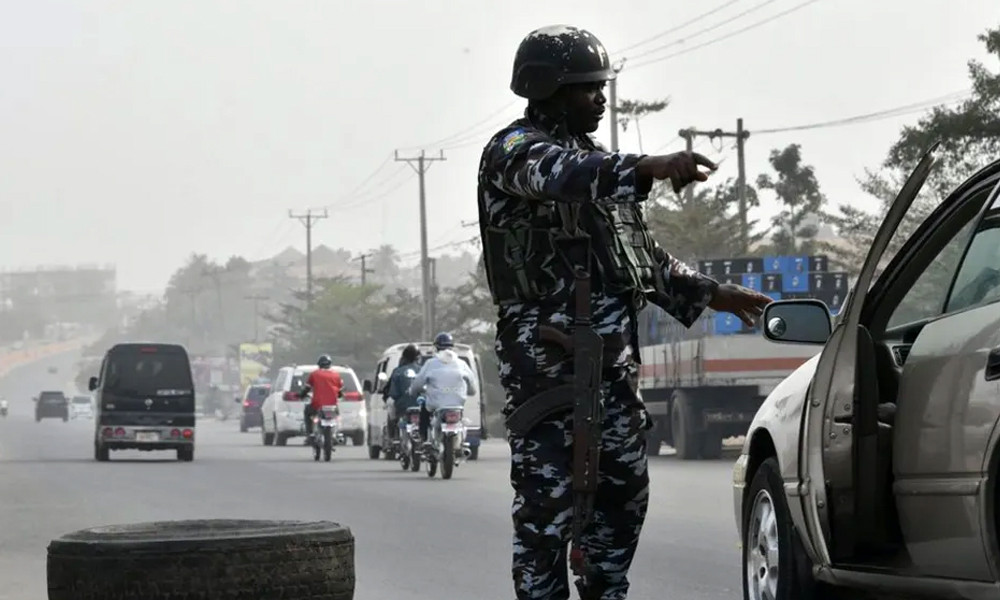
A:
x: 282, y: 411
x: 251, y: 401
x: 82, y: 407
x: 51, y: 405
x: 874, y: 465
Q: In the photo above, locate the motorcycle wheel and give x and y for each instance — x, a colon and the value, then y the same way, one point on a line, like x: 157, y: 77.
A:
x: 448, y: 458
x: 432, y: 466
x: 327, y: 445
x: 414, y: 459
x: 404, y: 459
x: 315, y: 446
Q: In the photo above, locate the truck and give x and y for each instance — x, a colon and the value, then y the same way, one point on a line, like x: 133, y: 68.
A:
x: 704, y: 384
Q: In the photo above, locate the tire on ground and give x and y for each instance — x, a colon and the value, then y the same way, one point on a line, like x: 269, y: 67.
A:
x: 204, y: 559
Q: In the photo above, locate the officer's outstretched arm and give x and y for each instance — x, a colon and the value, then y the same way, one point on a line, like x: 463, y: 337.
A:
x: 525, y: 164
x: 685, y: 292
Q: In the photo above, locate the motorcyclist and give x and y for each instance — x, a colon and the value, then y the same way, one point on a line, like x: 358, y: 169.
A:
x: 325, y: 385
x: 398, y: 397
x: 448, y: 380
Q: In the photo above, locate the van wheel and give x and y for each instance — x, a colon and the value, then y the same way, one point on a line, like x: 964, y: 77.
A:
x: 304, y: 560
x: 682, y: 425
x: 185, y: 454
x: 358, y: 438
x: 101, y: 453
x: 775, y: 567
x: 474, y: 452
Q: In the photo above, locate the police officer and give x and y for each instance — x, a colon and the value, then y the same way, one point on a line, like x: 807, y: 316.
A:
x: 555, y: 207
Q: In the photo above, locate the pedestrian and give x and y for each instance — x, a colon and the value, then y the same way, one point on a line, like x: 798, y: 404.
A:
x: 555, y: 208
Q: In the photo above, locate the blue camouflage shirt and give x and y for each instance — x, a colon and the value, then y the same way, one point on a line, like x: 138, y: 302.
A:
x: 533, y: 163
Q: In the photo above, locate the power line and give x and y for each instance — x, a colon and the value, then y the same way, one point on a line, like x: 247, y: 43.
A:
x: 875, y: 116
x: 727, y: 36
x: 678, y: 27
x: 464, y: 132
x: 706, y: 30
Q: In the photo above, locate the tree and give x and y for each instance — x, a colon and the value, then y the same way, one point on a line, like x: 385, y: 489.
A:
x: 705, y: 227
x: 970, y: 137
x: 798, y: 190
x: 631, y: 111
x: 969, y: 133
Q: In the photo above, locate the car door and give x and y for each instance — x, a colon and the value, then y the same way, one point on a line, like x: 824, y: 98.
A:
x: 828, y: 438
x: 945, y: 443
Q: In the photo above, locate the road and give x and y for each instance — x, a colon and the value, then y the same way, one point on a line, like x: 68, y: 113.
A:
x: 415, y: 538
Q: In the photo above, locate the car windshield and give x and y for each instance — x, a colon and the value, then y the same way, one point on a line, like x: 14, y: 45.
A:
x: 259, y: 393
x: 162, y: 371
x: 81, y: 400
x: 52, y: 397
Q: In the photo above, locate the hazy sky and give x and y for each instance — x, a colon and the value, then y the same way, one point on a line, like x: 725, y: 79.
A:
x: 138, y: 132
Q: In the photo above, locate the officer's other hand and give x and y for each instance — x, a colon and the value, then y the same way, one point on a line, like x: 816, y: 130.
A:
x: 743, y: 302
x: 681, y: 168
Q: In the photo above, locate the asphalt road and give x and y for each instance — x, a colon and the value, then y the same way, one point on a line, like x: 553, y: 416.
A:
x: 415, y: 538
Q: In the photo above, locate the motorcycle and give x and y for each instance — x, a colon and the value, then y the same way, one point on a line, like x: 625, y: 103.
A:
x: 409, y: 450
x: 326, y: 432
x: 447, y: 445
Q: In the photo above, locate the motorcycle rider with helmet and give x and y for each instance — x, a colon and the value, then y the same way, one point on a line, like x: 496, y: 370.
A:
x: 325, y: 385
x: 448, y: 381
x: 397, y: 393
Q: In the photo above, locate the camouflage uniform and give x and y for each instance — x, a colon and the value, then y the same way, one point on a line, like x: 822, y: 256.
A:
x: 525, y: 170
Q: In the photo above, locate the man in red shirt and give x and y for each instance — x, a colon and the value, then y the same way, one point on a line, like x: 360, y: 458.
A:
x: 325, y: 385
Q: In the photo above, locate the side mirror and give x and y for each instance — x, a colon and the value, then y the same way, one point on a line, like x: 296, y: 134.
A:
x: 92, y: 384
x: 797, y: 322
x: 382, y: 377
x: 366, y: 386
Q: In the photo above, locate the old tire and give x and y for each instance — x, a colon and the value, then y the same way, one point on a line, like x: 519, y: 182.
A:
x: 202, y: 560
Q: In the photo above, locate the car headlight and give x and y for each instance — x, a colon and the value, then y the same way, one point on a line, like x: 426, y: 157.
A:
x: 740, y: 470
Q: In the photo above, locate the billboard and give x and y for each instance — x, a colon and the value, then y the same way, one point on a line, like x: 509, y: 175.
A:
x: 255, y: 362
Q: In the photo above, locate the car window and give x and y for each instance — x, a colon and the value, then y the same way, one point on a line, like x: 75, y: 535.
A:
x: 978, y: 279
x: 926, y: 299
x: 147, y: 371
x: 350, y: 382
x: 258, y: 393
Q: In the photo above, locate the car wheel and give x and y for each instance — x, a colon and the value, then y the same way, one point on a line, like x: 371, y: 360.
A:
x: 304, y: 560
x: 266, y: 438
x: 775, y: 566
x: 358, y: 438
x: 185, y: 454
x: 101, y: 452
x: 243, y: 425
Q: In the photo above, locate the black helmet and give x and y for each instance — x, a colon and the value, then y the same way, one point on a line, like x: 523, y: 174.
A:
x: 443, y: 340
x: 557, y: 55
x: 324, y: 362
x: 410, y: 353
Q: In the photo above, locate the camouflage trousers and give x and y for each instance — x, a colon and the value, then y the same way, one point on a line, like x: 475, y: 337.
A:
x: 541, y: 475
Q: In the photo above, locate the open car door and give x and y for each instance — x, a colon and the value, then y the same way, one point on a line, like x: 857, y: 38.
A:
x: 833, y: 446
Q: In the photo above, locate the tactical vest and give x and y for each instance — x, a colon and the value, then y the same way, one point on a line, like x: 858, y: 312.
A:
x: 526, y: 260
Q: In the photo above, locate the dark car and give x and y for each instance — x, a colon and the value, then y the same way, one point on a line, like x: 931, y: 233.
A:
x: 253, y: 397
x: 51, y: 405
x: 145, y: 401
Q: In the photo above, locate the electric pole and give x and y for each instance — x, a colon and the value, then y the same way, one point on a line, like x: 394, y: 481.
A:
x: 434, y: 294
x: 364, y: 269
x: 613, y: 103
x: 308, y: 219
x: 741, y: 181
x: 423, y: 164
x: 256, y: 313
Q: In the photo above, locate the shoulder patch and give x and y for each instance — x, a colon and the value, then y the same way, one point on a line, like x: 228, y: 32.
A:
x: 513, y: 140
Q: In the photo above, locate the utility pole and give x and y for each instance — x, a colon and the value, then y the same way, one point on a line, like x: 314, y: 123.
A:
x: 308, y: 219
x: 434, y: 293
x: 256, y: 313
x: 613, y: 103
x: 364, y: 269
x: 423, y: 164
x: 741, y: 181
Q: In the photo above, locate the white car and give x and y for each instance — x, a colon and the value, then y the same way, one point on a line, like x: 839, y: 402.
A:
x: 282, y: 413
x: 81, y: 407
x: 475, y: 406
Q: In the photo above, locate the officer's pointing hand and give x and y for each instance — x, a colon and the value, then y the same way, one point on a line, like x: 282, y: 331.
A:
x: 681, y: 168
x: 740, y: 301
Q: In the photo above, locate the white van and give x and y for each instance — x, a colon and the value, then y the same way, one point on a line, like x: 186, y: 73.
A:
x: 475, y: 406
